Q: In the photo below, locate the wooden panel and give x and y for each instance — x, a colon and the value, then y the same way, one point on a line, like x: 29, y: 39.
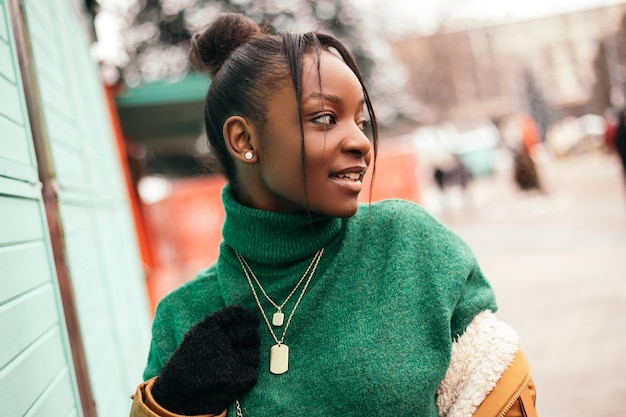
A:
x: 24, y: 267
x: 10, y: 105
x: 14, y: 142
x: 25, y: 319
x: 6, y: 62
x: 39, y: 10
x: 93, y: 315
x: 15, y: 150
x: 62, y: 128
x: 16, y: 170
x: 51, y: 70
x: 69, y: 167
x: 118, y: 258
x: 98, y: 357
x: 15, y: 214
x: 57, y: 399
x: 16, y: 160
x: 47, y: 62
x: 4, y: 26
x: 11, y: 170
x: 108, y: 404
x: 76, y: 219
x: 54, y: 94
x: 25, y: 378
x: 83, y: 261
x: 14, y: 188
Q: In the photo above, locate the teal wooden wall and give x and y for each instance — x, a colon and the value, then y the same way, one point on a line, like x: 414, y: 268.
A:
x: 36, y: 370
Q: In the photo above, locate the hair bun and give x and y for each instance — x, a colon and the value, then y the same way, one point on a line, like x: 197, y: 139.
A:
x: 211, y: 47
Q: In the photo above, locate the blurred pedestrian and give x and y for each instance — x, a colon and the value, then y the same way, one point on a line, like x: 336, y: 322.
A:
x: 455, y: 173
x: 526, y: 175
x: 521, y: 136
x: 453, y: 178
x: 374, y: 309
x: 611, y: 122
x: 620, y: 140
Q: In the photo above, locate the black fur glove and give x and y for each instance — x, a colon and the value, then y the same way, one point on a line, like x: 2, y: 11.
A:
x: 215, y: 364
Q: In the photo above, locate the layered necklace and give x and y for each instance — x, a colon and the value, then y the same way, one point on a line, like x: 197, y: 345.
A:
x: 279, y: 352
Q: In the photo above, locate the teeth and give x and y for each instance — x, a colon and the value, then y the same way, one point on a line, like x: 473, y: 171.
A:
x: 352, y: 176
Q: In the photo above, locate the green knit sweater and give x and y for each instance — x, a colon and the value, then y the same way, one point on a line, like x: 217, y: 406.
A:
x: 373, y: 333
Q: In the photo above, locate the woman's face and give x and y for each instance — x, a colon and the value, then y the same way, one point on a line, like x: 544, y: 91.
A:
x: 337, y: 151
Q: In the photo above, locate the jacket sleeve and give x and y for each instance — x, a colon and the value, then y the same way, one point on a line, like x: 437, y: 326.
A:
x: 488, y: 374
x: 514, y: 394
x: 144, y: 405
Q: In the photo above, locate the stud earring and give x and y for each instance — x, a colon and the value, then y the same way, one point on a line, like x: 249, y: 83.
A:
x: 248, y: 155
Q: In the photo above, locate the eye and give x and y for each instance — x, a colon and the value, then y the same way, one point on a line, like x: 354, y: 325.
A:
x: 363, y: 124
x: 325, y: 119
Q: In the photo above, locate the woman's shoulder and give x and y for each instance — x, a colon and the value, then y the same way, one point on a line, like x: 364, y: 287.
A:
x: 407, y: 221
x: 394, y: 207
x: 402, y: 213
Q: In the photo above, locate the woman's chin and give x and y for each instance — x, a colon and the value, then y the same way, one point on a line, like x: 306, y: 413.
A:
x: 341, y: 212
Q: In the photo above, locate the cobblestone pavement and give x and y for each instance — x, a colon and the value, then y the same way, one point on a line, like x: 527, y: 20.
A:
x: 558, y: 265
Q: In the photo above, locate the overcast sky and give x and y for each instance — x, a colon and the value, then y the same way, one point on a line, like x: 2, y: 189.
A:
x: 423, y: 16
x: 393, y: 17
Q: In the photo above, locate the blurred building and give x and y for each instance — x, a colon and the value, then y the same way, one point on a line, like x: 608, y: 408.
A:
x: 163, y: 124
x: 467, y: 72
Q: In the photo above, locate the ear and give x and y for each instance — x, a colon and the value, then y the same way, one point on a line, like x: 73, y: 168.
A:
x: 238, y: 134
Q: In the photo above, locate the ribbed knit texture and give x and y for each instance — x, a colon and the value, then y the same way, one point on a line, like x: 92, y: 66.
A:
x: 373, y: 333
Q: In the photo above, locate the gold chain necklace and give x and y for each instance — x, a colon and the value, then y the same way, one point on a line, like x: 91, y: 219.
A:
x: 279, y: 353
x: 278, y: 318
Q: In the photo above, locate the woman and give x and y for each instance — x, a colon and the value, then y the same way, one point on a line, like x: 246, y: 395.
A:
x: 318, y: 306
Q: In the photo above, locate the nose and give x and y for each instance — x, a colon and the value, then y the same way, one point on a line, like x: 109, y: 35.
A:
x: 357, y: 143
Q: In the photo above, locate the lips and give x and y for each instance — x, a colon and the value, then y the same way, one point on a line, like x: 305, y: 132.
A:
x: 352, y: 174
x: 355, y: 176
x: 349, y: 180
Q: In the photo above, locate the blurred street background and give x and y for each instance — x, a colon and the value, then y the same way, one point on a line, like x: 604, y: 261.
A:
x: 557, y: 264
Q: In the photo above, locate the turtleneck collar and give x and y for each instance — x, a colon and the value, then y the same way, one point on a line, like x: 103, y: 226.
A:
x: 266, y: 237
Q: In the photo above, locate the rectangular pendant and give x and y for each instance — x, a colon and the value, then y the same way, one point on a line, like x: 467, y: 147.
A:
x: 278, y: 319
x: 279, y: 359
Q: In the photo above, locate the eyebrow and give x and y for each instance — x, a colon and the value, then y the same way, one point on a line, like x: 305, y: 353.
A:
x: 327, y: 97
x: 323, y: 97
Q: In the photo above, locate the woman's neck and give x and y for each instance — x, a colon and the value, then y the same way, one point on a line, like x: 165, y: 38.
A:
x: 270, y: 238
